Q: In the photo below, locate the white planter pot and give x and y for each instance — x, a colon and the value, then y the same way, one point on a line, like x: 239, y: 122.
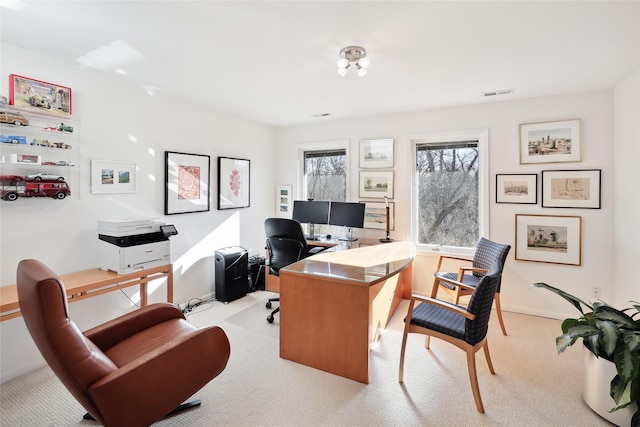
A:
x: 598, y: 373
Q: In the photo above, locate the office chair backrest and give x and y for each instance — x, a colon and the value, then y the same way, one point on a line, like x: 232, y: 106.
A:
x: 480, y: 305
x: 72, y: 357
x: 285, y: 242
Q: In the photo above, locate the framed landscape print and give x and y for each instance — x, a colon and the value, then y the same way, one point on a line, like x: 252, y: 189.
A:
x: 375, y: 215
x: 549, y: 238
x: 233, y: 183
x: 517, y: 188
x: 571, y: 189
x: 376, y: 153
x: 376, y: 184
x: 109, y: 177
x: 187, y: 178
x: 550, y: 142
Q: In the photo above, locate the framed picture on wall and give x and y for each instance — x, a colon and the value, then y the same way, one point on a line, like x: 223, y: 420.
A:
x: 549, y: 238
x: 517, y: 188
x: 375, y: 215
x: 550, y: 142
x: 571, y: 189
x: 187, y: 178
x: 376, y: 184
x: 108, y: 177
x: 36, y: 95
x: 284, y: 201
x: 233, y: 183
x: 376, y: 153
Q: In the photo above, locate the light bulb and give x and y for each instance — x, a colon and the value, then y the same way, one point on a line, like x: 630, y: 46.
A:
x: 364, y: 62
x: 361, y: 72
x: 342, y: 71
x: 343, y: 63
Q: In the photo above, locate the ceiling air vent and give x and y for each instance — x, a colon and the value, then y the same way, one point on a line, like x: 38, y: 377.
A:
x: 321, y: 115
x: 498, y: 92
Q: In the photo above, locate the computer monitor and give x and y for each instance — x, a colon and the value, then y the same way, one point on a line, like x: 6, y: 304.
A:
x: 311, y: 212
x: 347, y: 214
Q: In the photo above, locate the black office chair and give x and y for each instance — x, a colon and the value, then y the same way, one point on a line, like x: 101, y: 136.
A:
x: 285, y: 245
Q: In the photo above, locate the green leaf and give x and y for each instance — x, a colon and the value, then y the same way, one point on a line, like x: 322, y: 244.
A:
x: 606, y: 312
x: 624, y: 399
x: 609, y: 335
x: 627, y: 363
x: 632, y: 340
x: 617, y: 388
x: 577, y: 302
x: 568, y: 323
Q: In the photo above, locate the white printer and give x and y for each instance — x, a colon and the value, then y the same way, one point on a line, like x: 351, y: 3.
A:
x: 130, y: 245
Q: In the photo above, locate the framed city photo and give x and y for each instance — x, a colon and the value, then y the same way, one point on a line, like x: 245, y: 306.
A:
x: 36, y: 95
x: 187, y: 178
x: 109, y: 177
x: 517, y: 188
x: 550, y: 142
x: 376, y: 184
x: 284, y: 201
x: 375, y: 215
x: 571, y: 189
x: 233, y: 183
x: 549, y: 238
x: 376, y: 153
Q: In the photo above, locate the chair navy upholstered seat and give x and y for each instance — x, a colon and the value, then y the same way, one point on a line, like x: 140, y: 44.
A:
x: 487, y: 253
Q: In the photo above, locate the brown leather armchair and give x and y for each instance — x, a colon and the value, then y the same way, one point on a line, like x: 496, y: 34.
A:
x: 131, y: 371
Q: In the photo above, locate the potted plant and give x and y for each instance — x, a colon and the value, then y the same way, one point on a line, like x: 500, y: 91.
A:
x: 610, y: 334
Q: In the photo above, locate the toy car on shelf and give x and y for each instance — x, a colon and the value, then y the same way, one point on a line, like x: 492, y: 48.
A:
x: 61, y: 128
x: 14, y: 186
x: 13, y: 117
x: 47, y: 143
x: 41, y: 176
x: 13, y: 139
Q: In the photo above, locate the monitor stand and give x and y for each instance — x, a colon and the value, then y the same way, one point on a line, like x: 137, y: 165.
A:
x: 311, y: 235
x: 349, y: 237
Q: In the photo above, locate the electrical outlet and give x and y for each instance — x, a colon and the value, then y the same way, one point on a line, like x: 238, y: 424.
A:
x: 595, y: 293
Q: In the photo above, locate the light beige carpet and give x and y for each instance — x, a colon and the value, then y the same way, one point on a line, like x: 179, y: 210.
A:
x: 533, y: 385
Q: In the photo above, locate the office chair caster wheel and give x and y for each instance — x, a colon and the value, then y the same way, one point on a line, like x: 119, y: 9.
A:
x: 269, y: 306
x: 270, y: 318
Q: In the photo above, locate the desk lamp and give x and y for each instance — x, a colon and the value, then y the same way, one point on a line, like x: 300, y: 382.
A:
x: 387, y: 239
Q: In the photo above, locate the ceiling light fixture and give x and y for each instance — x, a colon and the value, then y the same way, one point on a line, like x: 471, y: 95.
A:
x: 350, y: 55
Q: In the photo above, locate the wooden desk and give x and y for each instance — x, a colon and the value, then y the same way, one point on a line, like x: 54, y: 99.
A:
x: 88, y: 283
x: 334, y: 304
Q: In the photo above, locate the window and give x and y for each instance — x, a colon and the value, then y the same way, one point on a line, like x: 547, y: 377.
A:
x: 325, y: 174
x: 451, y: 190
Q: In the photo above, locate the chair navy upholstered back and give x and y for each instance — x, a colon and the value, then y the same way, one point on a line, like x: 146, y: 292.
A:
x: 480, y: 305
x: 488, y: 252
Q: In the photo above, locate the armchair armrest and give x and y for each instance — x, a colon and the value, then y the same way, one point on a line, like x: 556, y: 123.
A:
x: 451, y: 257
x: 474, y: 269
x: 112, y: 332
x: 162, y: 378
x: 456, y: 283
x: 444, y: 304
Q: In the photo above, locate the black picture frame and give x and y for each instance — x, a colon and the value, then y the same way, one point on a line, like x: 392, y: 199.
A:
x: 579, y: 188
x: 187, y: 183
x: 517, y: 188
x: 234, y: 183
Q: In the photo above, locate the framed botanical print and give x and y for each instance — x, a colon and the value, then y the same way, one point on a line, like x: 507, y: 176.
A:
x: 187, y: 178
x: 233, y: 183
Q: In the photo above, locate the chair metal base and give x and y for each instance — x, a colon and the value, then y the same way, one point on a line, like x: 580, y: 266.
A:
x: 182, y: 407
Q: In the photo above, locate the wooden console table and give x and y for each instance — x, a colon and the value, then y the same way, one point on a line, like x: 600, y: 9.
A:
x: 89, y: 283
x: 334, y: 305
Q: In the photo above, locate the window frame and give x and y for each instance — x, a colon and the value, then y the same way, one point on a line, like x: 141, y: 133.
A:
x: 342, y: 144
x: 480, y: 135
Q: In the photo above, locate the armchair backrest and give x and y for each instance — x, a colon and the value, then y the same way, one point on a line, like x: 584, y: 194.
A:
x: 76, y: 361
x: 285, y: 242
x: 480, y: 305
x: 489, y: 252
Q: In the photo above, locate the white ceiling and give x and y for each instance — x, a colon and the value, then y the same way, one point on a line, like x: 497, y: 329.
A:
x: 275, y: 62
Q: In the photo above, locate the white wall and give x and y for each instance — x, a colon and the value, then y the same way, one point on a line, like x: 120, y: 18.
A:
x: 122, y: 122
x: 594, y: 109
x: 627, y: 190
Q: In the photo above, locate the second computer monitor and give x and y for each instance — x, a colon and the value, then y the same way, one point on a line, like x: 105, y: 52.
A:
x: 311, y: 212
x: 347, y: 214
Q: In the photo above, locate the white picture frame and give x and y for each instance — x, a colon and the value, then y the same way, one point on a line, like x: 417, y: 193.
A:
x: 550, y: 142
x: 111, y: 177
x: 375, y: 184
x: 375, y: 215
x: 376, y: 154
x: 284, y: 201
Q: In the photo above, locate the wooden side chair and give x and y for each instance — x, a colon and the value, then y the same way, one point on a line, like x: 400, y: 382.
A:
x: 464, y: 328
x: 487, y: 253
